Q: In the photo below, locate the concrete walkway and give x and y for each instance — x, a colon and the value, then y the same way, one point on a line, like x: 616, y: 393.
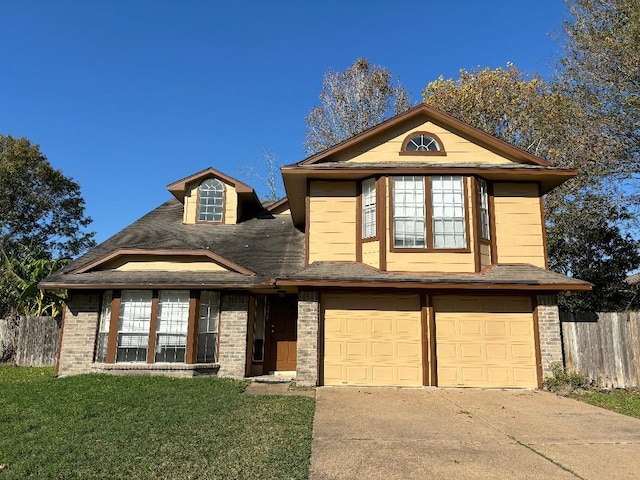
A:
x: 468, y: 434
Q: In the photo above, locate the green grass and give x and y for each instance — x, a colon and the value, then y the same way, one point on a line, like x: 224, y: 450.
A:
x: 99, y: 426
x: 626, y: 402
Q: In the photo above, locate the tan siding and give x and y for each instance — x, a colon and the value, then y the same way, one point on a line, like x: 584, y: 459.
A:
x: 485, y: 342
x: 371, y: 253
x: 372, y: 340
x: 332, y: 221
x: 160, y: 263
x: 190, y: 215
x: 458, y: 149
x: 519, y: 233
x: 485, y: 255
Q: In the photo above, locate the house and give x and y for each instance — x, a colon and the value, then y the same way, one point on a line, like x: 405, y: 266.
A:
x: 411, y: 254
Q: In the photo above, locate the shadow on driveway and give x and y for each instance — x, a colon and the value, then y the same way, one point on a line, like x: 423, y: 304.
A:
x: 395, y: 433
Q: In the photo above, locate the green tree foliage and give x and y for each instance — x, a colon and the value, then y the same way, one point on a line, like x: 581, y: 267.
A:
x: 601, y: 65
x: 594, y: 249
x: 545, y: 119
x: 352, y: 101
x: 42, y: 219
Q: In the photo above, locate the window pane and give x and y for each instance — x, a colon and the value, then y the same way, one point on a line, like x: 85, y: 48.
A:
x: 369, y: 208
x: 208, y: 327
x: 133, y: 326
x: 408, y: 212
x: 210, y: 200
x: 171, y: 329
x: 103, y: 330
x: 483, y: 202
x: 448, y: 212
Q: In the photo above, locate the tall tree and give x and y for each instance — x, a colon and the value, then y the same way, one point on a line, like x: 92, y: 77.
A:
x: 42, y: 223
x: 352, y: 101
x: 594, y: 249
x: 601, y: 64
x: 39, y: 205
x: 544, y: 118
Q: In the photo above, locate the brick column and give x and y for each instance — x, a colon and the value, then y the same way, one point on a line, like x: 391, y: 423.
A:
x: 308, y: 320
x: 234, y: 316
x: 78, y: 334
x: 549, y: 328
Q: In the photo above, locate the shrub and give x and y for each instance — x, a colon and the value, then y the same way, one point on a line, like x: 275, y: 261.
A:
x: 565, y: 381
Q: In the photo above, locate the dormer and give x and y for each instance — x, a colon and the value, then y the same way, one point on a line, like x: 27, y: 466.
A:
x: 210, y: 197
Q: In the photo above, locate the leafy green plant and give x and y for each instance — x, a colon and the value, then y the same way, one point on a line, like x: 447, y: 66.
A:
x: 566, y: 381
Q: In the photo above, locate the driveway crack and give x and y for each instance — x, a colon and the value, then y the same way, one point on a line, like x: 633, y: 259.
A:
x: 513, y: 438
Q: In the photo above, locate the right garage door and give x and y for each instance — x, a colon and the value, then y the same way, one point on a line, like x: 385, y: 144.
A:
x: 485, y: 342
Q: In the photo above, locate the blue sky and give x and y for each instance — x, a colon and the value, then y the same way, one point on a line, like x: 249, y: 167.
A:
x: 127, y: 96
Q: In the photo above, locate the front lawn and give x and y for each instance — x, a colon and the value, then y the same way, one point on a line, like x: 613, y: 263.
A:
x: 99, y: 426
x: 626, y: 402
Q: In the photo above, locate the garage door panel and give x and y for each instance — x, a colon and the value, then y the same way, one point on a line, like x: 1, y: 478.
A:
x: 379, y: 345
x: 485, y: 342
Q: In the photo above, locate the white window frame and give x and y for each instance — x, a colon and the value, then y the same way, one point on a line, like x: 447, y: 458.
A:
x: 211, y: 201
x: 483, y: 205
x: 409, y: 220
x: 208, y: 327
x: 171, y: 326
x: 369, y: 208
x: 448, y: 212
x: 103, y: 329
x: 134, y: 322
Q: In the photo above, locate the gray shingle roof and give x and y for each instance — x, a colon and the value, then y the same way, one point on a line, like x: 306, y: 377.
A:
x: 268, y: 245
x: 506, y: 275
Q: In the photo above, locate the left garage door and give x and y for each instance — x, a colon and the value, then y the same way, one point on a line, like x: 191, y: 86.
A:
x: 372, y: 340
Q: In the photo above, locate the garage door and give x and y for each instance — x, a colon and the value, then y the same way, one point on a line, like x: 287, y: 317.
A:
x: 485, y: 342
x: 372, y: 340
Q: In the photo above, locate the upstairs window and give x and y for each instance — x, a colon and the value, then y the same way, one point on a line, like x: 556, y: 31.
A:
x: 408, y: 212
x: 447, y: 193
x: 210, y: 200
x: 483, y: 204
x: 369, y: 208
x: 429, y: 212
x: 422, y: 143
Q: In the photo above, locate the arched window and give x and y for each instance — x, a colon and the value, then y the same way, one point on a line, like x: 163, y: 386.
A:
x: 210, y: 200
x: 422, y: 143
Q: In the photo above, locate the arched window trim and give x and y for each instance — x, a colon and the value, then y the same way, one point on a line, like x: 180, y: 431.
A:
x: 428, y: 153
x: 224, y: 190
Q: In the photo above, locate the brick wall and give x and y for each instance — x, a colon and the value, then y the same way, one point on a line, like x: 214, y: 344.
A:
x: 308, y: 318
x: 79, y: 333
x: 233, y: 335
x: 549, y: 327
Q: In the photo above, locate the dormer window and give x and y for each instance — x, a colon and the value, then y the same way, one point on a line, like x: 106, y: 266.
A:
x: 422, y: 143
x: 210, y: 200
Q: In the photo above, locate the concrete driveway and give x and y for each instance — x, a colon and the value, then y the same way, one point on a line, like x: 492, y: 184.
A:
x: 467, y: 434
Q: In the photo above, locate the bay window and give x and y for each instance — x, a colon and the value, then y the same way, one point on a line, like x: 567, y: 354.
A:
x: 153, y: 326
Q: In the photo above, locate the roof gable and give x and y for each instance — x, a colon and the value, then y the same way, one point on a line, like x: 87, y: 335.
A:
x: 179, y: 188
x: 413, y: 119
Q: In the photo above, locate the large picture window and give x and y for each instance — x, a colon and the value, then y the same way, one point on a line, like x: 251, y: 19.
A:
x: 429, y: 212
x: 369, y: 208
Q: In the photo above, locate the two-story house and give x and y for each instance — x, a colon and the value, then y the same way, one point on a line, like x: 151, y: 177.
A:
x: 411, y: 254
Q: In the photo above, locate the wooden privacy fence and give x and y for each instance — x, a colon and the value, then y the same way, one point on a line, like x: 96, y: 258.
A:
x: 603, y: 346
x: 37, y: 344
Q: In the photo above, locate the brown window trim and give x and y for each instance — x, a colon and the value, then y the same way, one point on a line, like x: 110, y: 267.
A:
x: 423, y: 153
x: 191, y: 347
x: 224, y: 204
x: 429, y: 221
